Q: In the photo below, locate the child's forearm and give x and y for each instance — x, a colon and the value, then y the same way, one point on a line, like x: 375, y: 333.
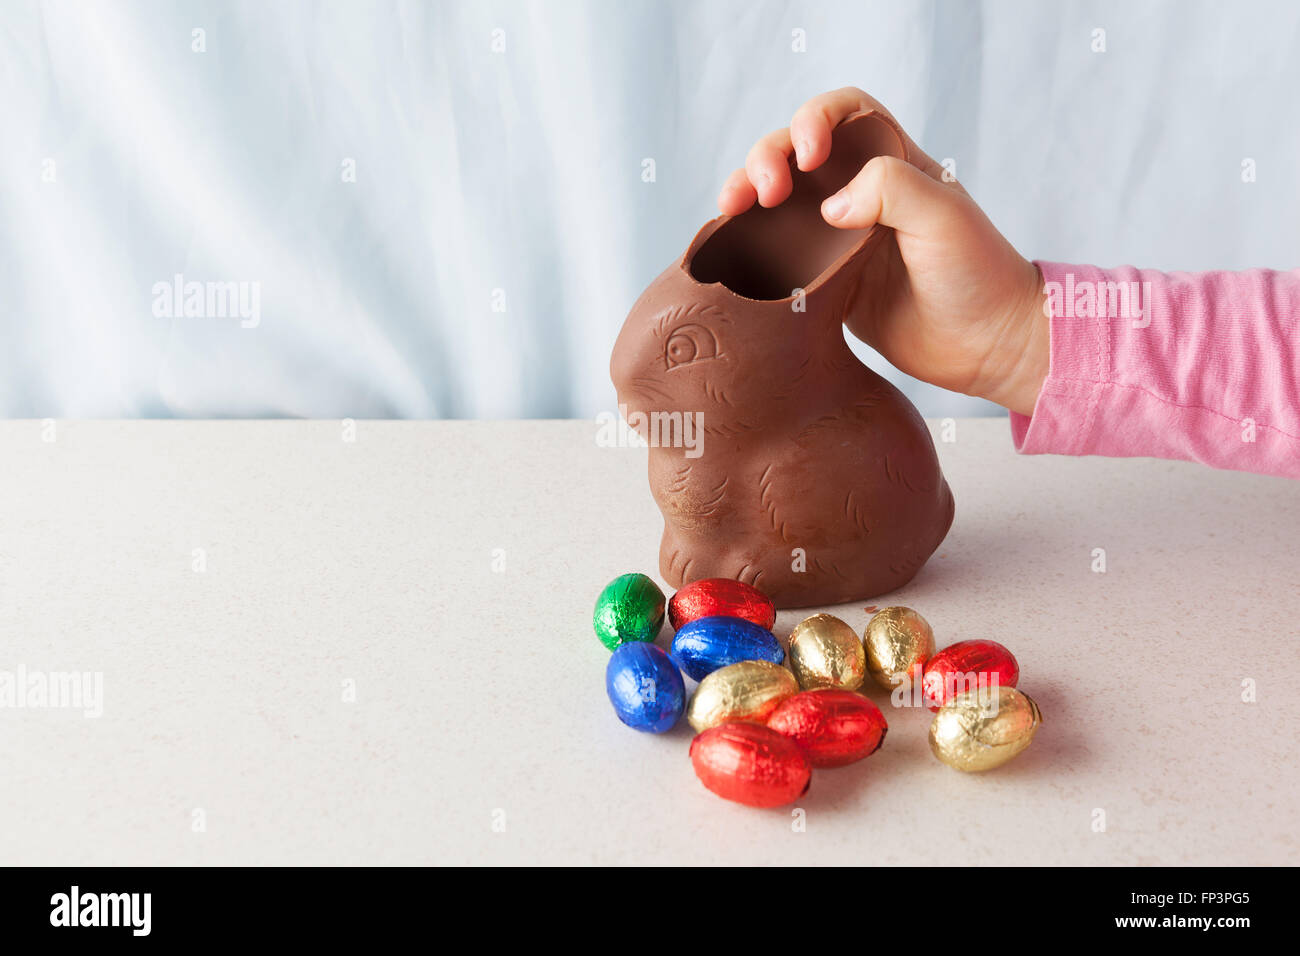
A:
x: 1198, y: 366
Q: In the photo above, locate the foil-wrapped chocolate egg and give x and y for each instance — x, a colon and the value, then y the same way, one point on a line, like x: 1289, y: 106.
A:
x: 711, y: 597
x: 979, y: 731
x: 630, y: 608
x: 746, y: 690
x: 833, y: 727
x: 826, y: 652
x: 750, y: 764
x: 702, y: 646
x: 645, y: 688
x: 967, y: 665
x: 898, y: 642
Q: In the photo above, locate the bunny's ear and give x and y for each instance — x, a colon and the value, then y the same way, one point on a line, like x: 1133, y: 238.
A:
x: 770, y: 254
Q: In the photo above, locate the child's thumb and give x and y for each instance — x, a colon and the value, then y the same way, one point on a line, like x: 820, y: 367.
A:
x: 894, y: 193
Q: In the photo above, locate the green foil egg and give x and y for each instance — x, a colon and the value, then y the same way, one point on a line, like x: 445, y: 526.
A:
x: 630, y: 608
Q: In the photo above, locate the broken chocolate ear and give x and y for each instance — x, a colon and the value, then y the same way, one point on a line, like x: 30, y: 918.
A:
x: 767, y: 254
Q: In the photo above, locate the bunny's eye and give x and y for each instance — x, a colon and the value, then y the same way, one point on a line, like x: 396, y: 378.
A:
x: 689, y: 343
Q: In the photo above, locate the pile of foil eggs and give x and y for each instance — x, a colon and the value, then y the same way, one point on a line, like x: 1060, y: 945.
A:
x: 765, y: 714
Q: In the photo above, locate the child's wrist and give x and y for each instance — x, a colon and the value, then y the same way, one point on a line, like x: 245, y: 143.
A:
x: 1026, y: 350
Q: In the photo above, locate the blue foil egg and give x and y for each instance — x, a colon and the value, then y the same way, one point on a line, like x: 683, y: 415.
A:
x: 645, y: 687
x: 707, y: 643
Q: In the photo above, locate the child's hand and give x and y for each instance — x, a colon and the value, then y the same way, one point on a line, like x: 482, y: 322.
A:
x: 957, y: 306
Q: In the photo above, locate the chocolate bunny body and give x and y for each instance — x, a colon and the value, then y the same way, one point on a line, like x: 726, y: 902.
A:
x: 814, y: 479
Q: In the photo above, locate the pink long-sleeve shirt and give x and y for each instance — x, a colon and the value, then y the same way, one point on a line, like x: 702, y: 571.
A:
x: 1199, y: 366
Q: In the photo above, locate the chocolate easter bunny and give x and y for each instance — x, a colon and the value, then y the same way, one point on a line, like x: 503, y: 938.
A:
x: 812, y: 478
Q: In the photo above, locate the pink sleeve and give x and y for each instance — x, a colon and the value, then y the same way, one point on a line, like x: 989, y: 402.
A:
x: 1199, y: 366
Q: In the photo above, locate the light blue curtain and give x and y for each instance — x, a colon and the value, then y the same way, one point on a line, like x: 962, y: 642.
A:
x: 441, y: 206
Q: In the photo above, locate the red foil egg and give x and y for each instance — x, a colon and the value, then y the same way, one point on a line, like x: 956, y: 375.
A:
x: 967, y: 666
x: 833, y: 727
x: 750, y: 764
x: 713, y: 597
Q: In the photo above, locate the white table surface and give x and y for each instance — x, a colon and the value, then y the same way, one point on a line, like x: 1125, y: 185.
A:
x: 480, y: 693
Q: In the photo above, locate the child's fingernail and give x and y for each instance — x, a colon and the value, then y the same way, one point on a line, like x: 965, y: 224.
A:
x: 836, y: 206
x: 800, y: 152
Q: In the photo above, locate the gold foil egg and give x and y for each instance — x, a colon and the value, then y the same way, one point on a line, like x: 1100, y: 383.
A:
x: 748, y: 690
x: 898, y: 642
x: 826, y: 652
x: 980, y: 730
